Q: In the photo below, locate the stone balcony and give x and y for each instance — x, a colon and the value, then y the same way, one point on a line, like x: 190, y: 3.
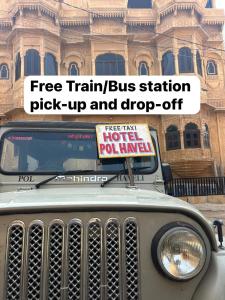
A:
x: 190, y: 162
x: 218, y: 104
x: 191, y: 154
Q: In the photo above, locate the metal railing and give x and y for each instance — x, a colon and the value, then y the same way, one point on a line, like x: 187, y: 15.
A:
x: 203, y: 186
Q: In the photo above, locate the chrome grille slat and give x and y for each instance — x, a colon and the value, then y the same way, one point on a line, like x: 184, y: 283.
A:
x: 131, y: 257
x: 74, y: 260
x: 35, y: 257
x: 105, y: 266
x: 94, y: 260
x: 15, y: 262
x: 113, y: 259
x: 55, y: 257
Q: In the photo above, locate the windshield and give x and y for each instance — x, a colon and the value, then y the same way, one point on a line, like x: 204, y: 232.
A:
x: 53, y: 152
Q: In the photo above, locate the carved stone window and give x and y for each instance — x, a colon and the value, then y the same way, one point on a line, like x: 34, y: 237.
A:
x: 18, y: 66
x: 209, y: 4
x: 143, y: 68
x: 185, y: 58
x: 110, y: 64
x: 4, y: 71
x: 51, y: 66
x: 168, y: 63
x: 211, y: 68
x: 199, y: 63
x: 73, y: 69
x: 139, y: 3
x: 32, y: 63
x: 192, y: 136
x: 172, y: 138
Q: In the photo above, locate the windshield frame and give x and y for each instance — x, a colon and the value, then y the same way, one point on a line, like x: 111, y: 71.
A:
x: 70, y: 130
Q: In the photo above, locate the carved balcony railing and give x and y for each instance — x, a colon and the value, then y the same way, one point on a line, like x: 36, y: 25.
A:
x: 218, y: 104
x: 187, y: 154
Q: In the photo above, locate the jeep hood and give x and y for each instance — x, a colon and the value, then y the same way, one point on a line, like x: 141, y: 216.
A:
x: 90, y: 199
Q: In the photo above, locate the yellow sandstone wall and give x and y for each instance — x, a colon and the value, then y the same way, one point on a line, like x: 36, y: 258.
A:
x: 74, y: 35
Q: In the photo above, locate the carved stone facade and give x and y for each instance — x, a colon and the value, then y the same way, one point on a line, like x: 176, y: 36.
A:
x: 80, y: 35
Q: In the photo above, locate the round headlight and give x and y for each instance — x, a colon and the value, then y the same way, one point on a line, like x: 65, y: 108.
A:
x: 180, y: 253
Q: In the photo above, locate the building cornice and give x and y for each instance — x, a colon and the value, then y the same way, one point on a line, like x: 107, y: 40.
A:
x: 74, y: 22
x: 108, y: 13
x: 48, y: 8
x: 175, y: 7
x: 20, y: 8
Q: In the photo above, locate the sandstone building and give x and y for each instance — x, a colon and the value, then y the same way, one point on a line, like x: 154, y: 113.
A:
x: 124, y: 37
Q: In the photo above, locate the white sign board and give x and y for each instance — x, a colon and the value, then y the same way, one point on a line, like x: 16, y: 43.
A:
x: 124, y: 140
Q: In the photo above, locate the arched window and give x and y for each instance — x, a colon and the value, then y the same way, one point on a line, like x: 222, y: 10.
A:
x: 73, y: 69
x: 18, y: 66
x: 199, y: 63
x: 206, y: 138
x: 212, y: 68
x: 4, y: 71
x: 143, y: 68
x: 139, y: 3
x: 168, y: 63
x: 185, y: 59
x: 172, y: 138
x: 209, y: 4
x: 110, y: 64
x: 32, y: 63
x: 51, y: 66
x: 192, y: 136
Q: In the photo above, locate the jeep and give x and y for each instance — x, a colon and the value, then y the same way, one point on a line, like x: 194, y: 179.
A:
x: 72, y: 225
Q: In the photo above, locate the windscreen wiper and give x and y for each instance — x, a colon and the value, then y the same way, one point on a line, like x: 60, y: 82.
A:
x: 75, y: 172
x: 121, y: 172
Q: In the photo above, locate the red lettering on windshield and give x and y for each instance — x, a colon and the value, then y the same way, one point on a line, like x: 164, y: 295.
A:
x: 20, y: 138
x: 77, y: 136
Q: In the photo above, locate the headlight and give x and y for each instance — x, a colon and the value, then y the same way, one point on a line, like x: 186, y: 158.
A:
x: 179, y: 252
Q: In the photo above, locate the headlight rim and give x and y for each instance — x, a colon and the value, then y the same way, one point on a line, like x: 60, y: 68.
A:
x: 155, y: 246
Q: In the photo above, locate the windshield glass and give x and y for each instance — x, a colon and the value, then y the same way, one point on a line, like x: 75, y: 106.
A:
x: 56, y: 151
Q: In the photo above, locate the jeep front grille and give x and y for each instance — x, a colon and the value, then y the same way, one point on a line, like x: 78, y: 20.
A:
x: 94, y: 261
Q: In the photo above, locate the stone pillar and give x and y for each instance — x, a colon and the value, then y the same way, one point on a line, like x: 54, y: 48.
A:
x: 126, y: 66
x: 93, y: 66
x: 58, y: 65
x: 22, y: 65
x: 176, y: 62
x: 160, y: 67
x: 181, y: 139
x: 204, y: 64
x: 194, y: 61
x: 42, y: 64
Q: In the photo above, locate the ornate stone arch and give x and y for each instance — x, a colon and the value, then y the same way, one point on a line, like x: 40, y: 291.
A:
x: 110, y: 63
x: 144, y: 56
x: 213, y: 56
x: 214, y: 81
x: 73, y: 56
x: 117, y: 52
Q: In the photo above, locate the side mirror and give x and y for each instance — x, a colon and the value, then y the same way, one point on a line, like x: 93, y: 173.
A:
x: 166, y: 172
x: 219, y: 225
